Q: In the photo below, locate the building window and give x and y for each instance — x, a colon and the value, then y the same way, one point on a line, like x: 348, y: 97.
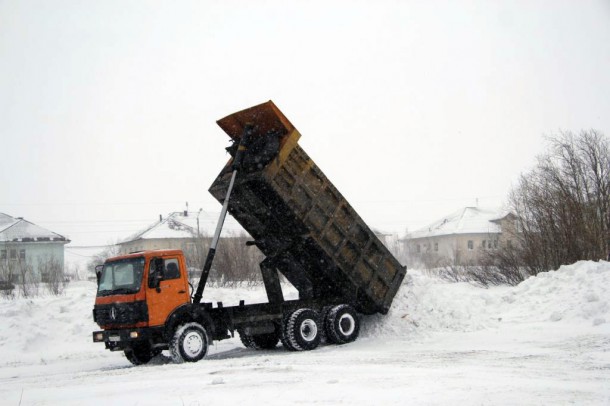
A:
x: 13, y: 255
x: 3, y: 255
x: 470, y: 245
x: 495, y: 244
x: 22, y: 255
x: 436, y: 246
x: 509, y: 243
x: 483, y: 243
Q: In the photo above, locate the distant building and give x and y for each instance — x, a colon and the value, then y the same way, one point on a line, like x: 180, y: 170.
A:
x: 461, y: 238
x: 26, y: 246
x: 178, y: 230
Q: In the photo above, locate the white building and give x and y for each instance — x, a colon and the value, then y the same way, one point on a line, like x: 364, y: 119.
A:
x: 179, y: 230
x: 24, y: 246
x: 461, y: 238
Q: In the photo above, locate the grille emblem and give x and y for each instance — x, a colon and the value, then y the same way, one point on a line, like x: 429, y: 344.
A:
x: 113, y: 313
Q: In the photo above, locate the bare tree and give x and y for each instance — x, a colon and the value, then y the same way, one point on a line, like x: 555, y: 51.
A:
x: 110, y: 251
x: 234, y: 263
x: 237, y: 262
x: 195, y: 254
x: 506, y: 262
x: 52, y: 274
x: 28, y: 283
x: 563, y: 204
x: 7, y: 278
x: 19, y: 274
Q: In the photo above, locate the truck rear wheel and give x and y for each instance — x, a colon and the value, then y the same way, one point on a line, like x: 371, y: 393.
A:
x: 302, y: 330
x: 284, y: 335
x: 189, y: 343
x: 342, y: 324
x: 259, y: 341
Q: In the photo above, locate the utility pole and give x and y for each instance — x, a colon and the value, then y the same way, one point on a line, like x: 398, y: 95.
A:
x: 198, y: 232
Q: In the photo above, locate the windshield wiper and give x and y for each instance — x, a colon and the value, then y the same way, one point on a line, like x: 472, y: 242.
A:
x: 121, y: 291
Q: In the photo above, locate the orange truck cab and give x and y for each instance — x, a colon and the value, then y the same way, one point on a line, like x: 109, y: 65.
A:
x: 137, y: 294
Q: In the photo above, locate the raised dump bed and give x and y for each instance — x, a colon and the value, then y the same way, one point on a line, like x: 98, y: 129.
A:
x: 300, y: 221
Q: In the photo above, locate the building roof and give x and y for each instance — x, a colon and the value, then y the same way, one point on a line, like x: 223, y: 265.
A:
x: 468, y: 220
x: 184, y: 225
x: 16, y: 229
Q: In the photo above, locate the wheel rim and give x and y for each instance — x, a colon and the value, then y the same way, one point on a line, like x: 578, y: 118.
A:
x: 347, y: 324
x: 309, y: 330
x: 193, y: 344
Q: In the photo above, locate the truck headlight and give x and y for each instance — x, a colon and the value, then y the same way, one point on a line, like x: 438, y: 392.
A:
x: 134, y: 334
x: 98, y: 337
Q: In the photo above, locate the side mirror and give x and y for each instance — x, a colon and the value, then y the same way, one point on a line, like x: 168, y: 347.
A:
x: 98, y: 273
x: 156, y: 273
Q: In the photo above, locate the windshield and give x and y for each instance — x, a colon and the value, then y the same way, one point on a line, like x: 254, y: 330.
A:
x: 121, y: 277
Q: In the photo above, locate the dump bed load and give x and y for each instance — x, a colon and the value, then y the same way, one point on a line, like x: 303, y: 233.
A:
x: 299, y: 220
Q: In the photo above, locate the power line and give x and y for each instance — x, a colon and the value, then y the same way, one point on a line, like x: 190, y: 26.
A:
x: 89, y: 246
x: 97, y: 203
x: 80, y: 255
x: 94, y: 221
x: 428, y: 200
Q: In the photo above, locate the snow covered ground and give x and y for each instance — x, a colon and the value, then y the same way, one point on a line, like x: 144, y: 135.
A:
x: 546, y: 341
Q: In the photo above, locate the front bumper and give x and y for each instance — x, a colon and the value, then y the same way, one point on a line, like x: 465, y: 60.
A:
x: 117, y: 340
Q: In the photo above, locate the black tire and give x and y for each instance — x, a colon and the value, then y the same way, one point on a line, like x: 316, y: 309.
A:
x: 323, y: 316
x: 140, y: 354
x: 302, y: 331
x: 342, y: 325
x: 246, y: 340
x: 259, y: 341
x: 189, y: 343
x: 284, y: 336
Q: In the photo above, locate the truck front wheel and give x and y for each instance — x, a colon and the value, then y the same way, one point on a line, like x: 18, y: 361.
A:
x: 141, y: 354
x: 302, y: 330
x: 189, y: 343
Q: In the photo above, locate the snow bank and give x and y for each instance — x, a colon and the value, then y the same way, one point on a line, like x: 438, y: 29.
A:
x: 427, y: 304
x: 40, y: 329
x: 578, y: 293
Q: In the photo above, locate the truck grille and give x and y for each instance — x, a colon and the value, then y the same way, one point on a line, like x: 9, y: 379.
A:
x: 120, y: 313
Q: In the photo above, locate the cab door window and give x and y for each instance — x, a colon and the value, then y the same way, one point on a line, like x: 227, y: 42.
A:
x: 163, y: 269
x: 172, y: 269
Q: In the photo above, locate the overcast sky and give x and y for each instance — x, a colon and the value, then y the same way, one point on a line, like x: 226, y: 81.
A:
x: 412, y: 109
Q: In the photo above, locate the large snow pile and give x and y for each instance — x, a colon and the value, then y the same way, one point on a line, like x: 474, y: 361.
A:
x: 578, y: 293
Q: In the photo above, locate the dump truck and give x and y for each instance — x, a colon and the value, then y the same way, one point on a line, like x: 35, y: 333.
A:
x: 305, y: 228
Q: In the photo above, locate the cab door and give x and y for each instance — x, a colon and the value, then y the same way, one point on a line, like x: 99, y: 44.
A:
x: 171, y: 292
